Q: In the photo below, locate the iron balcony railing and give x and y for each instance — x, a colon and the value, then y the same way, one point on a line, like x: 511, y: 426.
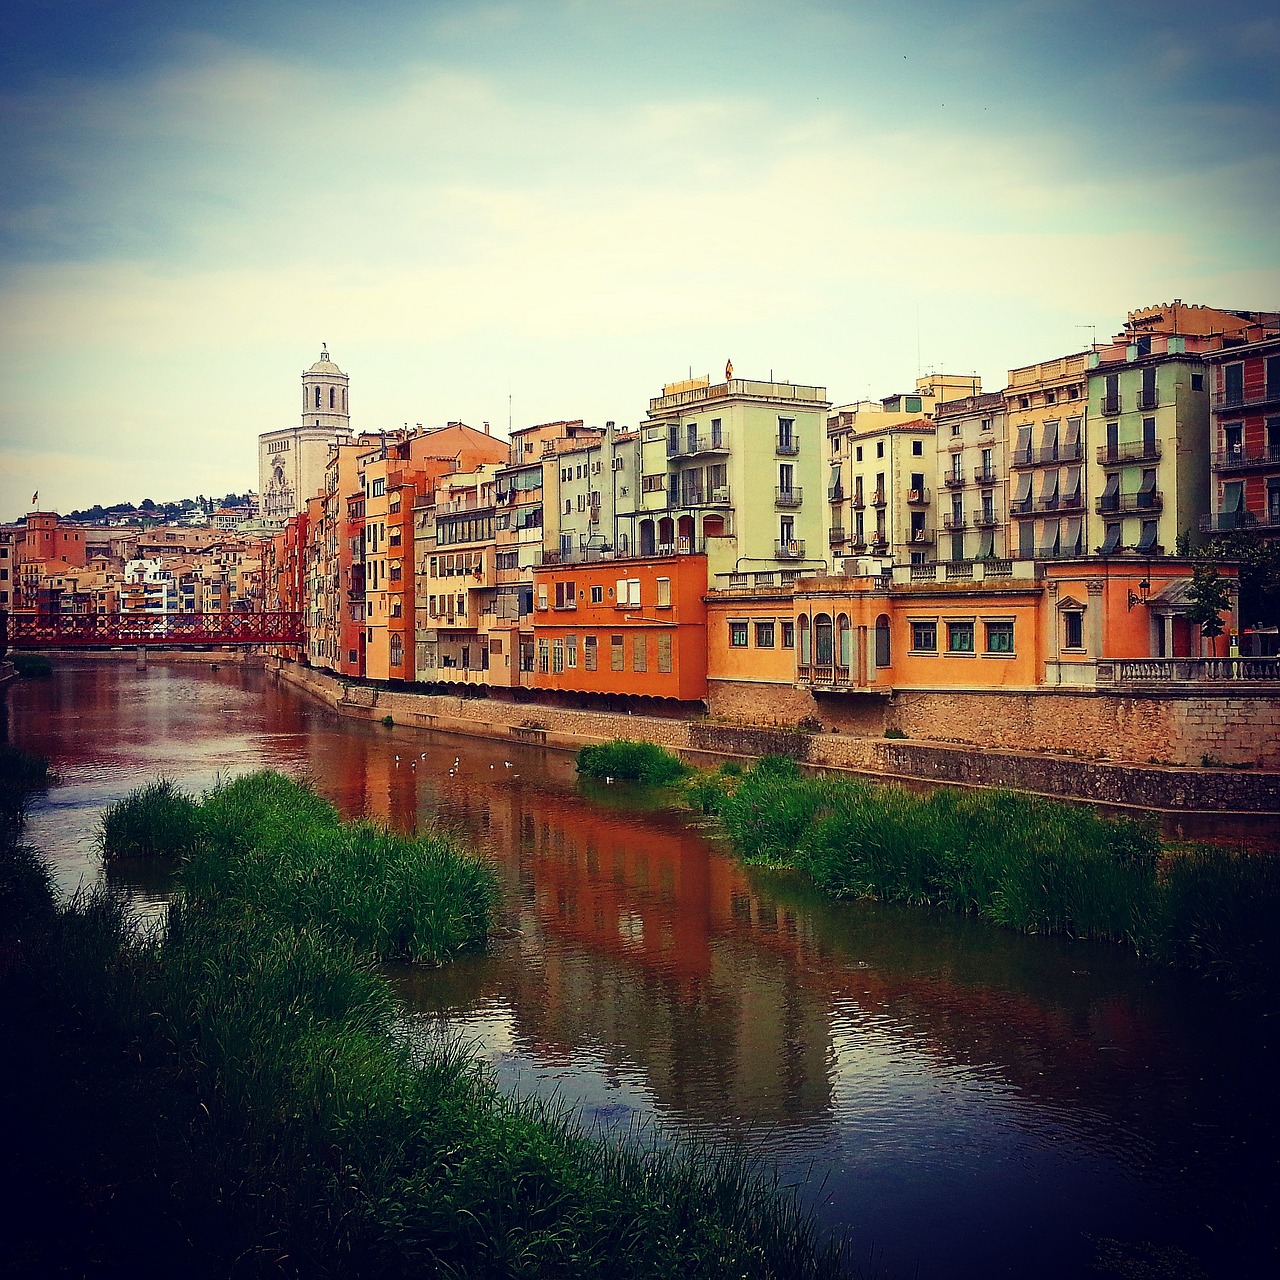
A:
x: 955, y: 521
x: 985, y: 475
x: 788, y: 497
x: 1110, y: 404
x: 1129, y: 503
x: 1225, y: 521
x: 703, y: 442
x: 1049, y: 453
x: 954, y: 480
x: 787, y: 446
x: 918, y: 497
x: 1148, y: 400
x: 1226, y: 400
x: 792, y: 549
x: 1116, y: 455
x: 1246, y: 459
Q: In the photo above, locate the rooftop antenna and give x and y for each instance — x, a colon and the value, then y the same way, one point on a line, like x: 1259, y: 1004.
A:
x: 508, y: 410
x: 1093, y: 334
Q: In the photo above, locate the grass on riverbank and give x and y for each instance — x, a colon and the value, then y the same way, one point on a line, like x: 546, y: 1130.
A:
x: 629, y: 761
x: 304, y: 1134
x: 31, y: 666
x: 1024, y: 862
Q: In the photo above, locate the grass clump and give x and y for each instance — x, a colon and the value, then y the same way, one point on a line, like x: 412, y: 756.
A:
x: 157, y: 820
x: 1023, y: 862
x: 630, y: 761
x: 31, y: 665
x: 296, y: 1131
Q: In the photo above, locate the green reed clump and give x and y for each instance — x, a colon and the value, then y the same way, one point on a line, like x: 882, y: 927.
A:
x: 31, y: 665
x: 1024, y: 862
x: 158, y: 820
x: 323, y: 1140
x: 622, y: 758
x: 21, y: 773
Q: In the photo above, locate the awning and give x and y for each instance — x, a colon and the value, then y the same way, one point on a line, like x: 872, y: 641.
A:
x: 1050, y: 438
x: 1023, y: 491
x: 1024, y: 441
x: 1148, y: 538
x: 1148, y: 484
x: 1071, y: 490
x: 1050, y: 491
x: 986, y: 544
x: 1050, y: 541
x: 1073, y: 438
x: 1112, y: 486
x: 1111, y: 544
x: 1074, y: 542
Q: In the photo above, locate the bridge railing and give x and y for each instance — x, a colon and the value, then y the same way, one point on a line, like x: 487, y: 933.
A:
x: 173, y: 630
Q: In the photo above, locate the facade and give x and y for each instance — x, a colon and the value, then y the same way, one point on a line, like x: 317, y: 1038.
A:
x: 1045, y: 408
x: 1244, y: 488
x: 291, y: 461
x: 972, y: 484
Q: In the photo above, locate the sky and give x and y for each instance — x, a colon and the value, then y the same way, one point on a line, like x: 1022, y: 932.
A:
x: 522, y: 212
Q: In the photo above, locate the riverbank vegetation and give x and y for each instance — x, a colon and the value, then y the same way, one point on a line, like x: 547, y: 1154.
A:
x: 31, y: 665
x: 1021, y: 861
x: 275, y: 1117
x: 631, y: 761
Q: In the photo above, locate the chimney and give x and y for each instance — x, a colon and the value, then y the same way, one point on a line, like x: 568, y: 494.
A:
x: 486, y: 428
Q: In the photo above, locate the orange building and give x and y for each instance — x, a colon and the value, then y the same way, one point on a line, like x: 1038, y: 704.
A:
x: 628, y: 626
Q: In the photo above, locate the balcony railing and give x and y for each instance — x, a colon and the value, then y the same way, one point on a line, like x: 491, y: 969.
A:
x: 954, y: 522
x: 787, y: 497
x: 984, y: 475
x: 790, y: 550
x: 1109, y: 404
x: 787, y: 446
x: 920, y: 537
x: 1188, y: 670
x: 858, y: 502
x: 836, y: 535
x: 823, y: 675
x: 835, y: 493
x: 1048, y: 454
x: 953, y: 480
x: 1225, y: 521
x: 1245, y: 460
x: 1119, y: 504
x: 1227, y: 401
x: 1022, y: 507
x: 985, y: 519
x: 877, y: 498
x: 703, y: 442
x: 1148, y: 400
x: 918, y: 497
x: 1116, y: 455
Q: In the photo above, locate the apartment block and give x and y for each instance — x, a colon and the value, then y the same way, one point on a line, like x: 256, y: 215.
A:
x: 972, y: 483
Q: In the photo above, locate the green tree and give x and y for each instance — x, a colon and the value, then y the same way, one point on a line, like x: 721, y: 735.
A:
x: 1259, y: 561
x: 1210, y: 597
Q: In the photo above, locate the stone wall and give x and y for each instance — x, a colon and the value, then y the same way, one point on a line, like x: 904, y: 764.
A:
x: 1136, y: 786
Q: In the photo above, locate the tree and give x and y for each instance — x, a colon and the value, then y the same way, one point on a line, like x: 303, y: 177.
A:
x: 1259, y: 561
x: 1209, y: 596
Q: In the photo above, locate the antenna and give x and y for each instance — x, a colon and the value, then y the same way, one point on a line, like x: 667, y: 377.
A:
x: 1093, y: 334
x: 917, y: 339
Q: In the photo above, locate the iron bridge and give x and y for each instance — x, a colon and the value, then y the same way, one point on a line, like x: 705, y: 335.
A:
x: 158, y: 630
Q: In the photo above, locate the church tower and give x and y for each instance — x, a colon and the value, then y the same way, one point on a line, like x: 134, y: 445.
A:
x: 291, y: 460
x: 324, y: 395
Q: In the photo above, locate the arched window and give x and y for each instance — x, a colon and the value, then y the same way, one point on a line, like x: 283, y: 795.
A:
x: 822, y: 639
x: 344, y: 399
x: 646, y: 538
x: 806, y: 641
x: 883, y: 653
x: 844, y: 635
x: 333, y: 396
x: 317, y: 397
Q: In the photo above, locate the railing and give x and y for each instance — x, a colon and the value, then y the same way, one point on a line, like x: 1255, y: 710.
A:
x: 825, y: 674
x: 1188, y: 670
x: 787, y: 497
x: 924, y: 573
x: 1240, y: 460
x: 1225, y: 521
x: 920, y: 536
x: 858, y: 501
x: 1270, y: 394
x: 878, y: 498
x: 788, y: 446
x: 984, y: 475
x: 790, y: 550
x: 1114, y: 455
x: 954, y: 521
x: 953, y: 481
x: 835, y: 535
x: 1148, y: 400
x: 1049, y: 453
x: 1129, y: 503
x: 103, y: 630
x: 1109, y: 404
x: 985, y: 519
x: 1022, y: 507
x: 918, y: 497
x: 701, y: 443
x: 835, y: 493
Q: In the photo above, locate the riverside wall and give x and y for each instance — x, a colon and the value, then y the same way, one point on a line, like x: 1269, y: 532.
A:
x: 1133, y: 785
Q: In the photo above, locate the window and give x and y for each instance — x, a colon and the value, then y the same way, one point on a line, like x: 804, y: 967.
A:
x: 664, y: 593
x: 544, y: 663
x: 615, y: 654
x: 764, y: 635
x: 379, y: 488
x: 1000, y: 637
x: 664, y: 652
x: 566, y: 595
x: 738, y: 633
x: 883, y: 651
x: 959, y: 637
x: 570, y: 651
x: 788, y: 634
x: 1073, y: 630
x: 924, y: 637
x: 589, y: 652
x: 640, y: 652
x: 917, y: 448
x: 858, y: 453
x: 597, y: 595
x: 879, y: 448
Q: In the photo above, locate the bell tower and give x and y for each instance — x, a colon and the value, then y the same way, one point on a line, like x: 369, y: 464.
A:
x: 324, y: 396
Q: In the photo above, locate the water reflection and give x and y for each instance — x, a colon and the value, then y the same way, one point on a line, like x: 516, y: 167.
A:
x: 967, y: 1098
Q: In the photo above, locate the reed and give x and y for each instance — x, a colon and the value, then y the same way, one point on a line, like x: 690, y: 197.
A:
x: 644, y: 762
x: 319, y: 1138
x: 31, y: 665
x: 158, y: 820
x: 1023, y: 862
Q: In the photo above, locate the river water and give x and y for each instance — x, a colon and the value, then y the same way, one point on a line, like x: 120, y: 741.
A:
x: 958, y: 1100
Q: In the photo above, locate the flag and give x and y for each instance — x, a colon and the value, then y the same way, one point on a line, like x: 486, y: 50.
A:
x: 35, y: 497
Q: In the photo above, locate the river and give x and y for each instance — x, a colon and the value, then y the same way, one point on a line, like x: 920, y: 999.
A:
x: 959, y: 1100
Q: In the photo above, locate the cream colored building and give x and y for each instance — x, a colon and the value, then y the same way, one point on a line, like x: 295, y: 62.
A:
x: 291, y: 462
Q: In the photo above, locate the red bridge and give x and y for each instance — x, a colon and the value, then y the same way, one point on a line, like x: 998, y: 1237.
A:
x: 159, y: 630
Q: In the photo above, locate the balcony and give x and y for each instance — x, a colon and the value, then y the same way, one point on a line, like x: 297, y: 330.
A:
x: 787, y: 446
x: 703, y: 442
x: 835, y: 493
x: 1226, y: 521
x: 920, y: 537
x: 918, y: 497
x: 791, y: 550
x: 954, y: 480
x: 954, y: 522
x: 1148, y: 400
x: 1121, y: 504
x: 985, y: 519
x: 858, y: 502
x: 1109, y: 404
x: 787, y: 497
x: 1118, y: 455
x: 1022, y: 507
x: 1049, y: 454
x: 823, y: 676
x: 1242, y: 460
x: 877, y: 498
x: 1227, y: 402
x: 836, y: 535
x: 984, y: 475
x: 1165, y: 671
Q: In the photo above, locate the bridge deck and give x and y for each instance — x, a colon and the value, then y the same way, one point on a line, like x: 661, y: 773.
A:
x: 156, y: 630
